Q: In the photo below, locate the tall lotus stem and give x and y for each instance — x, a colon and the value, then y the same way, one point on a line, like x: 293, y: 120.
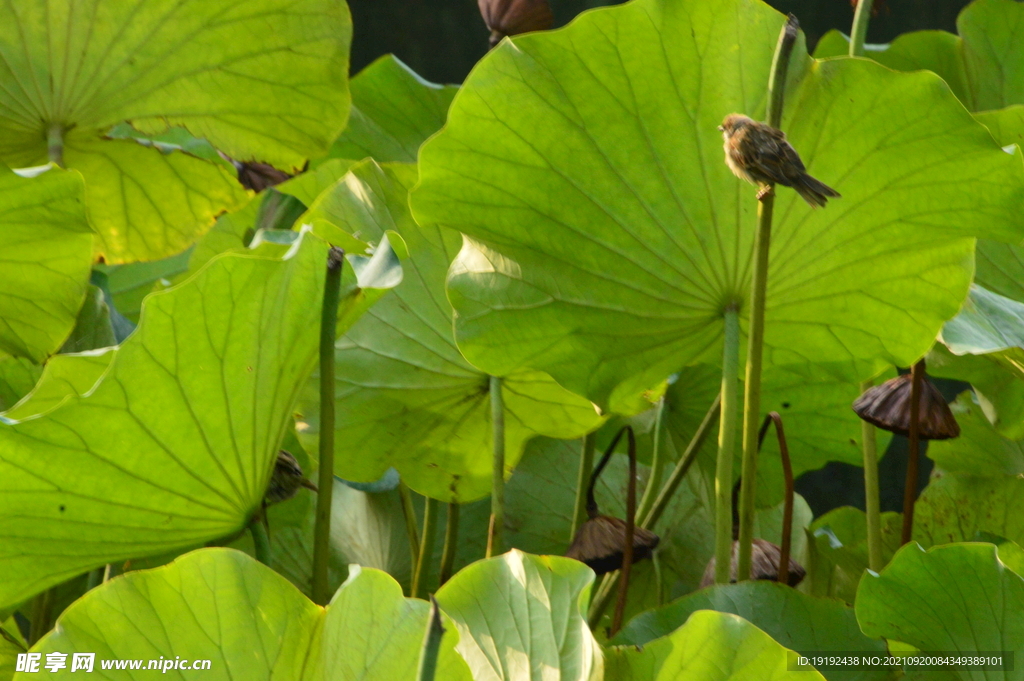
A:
x: 411, y: 530
x: 328, y: 326
x: 726, y: 445
x: 755, y: 340
x: 451, y: 539
x: 426, y: 546
x: 910, y: 487
x: 55, y: 144
x: 871, y: 496
x: 579, y: 512
x: 260, y: 539
x: 627, y: 541
x: 658, y: 461
x: 496, y: 530
x: 787, y: 510
x: 860, y: 27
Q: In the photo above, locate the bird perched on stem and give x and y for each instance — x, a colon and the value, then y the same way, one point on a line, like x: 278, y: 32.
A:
x: 758, y: 153
x: 286, y: 480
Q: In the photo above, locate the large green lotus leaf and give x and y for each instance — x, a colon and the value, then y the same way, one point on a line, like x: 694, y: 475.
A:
x: 837, y: 551
x: 980, y: 449
x: 17, y: 378
x: 522, y: 617
x: 404, y: 395
x: 45, y: 254
x: 393, y: 111
x: 11, y: 644
x: 985, y: 344
x: 144, y: 204
x: 711, y: 646
x: 992, y: 32
x: 263, y: 79
x: 176, y: 444
x: 606, y: 235
x: 250, y: 623
x: 371, y: 632
x: 62, y: 377
x: 958, y: 598
x: 797, y: 621
x: 1006, y: 124
x: 936, y: 51
x: 129, y: 284
x: 93, y: 329
x: 212, y: 604
x: 955, y: 507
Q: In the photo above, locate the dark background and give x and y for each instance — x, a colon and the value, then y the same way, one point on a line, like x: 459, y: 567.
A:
x: 442, y: 39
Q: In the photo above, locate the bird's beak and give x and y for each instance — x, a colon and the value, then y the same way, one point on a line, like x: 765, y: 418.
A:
x: 722, y: 128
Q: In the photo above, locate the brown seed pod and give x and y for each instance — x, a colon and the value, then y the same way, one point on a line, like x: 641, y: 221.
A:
x: 512, y: 17
x: 887, y: 406
x: 286, y: 480
x: 764, y: 564
x: 599, y: 542
x: 258, y: 176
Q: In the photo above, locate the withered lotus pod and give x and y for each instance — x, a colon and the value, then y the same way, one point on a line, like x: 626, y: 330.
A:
x: 764, y: 564
x: 258, y: 176
x: 512, y: 17
x: 599, y: 541
x: 887, y: 406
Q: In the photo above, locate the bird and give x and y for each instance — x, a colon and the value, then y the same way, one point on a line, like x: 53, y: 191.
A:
x: 286, y: 479
x: 758, y: 153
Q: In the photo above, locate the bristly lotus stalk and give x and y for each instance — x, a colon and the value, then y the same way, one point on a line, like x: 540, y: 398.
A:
x: 658, y: 461
x: 859, y: 31
x: 328, y: 326
x: 627, y: 543
x: 579, y: 513
x: 55, y: 144
x: 726, y: 445
x: 685, y: 461
x: 787, y: 511
x: 758, y: 293
x: 872, y: 509
x: 913, y: 456
x: 451, y: 539
x: 495, y: 531
x: 411, y: 529
x: 426, y: 549
x: 260, y: 539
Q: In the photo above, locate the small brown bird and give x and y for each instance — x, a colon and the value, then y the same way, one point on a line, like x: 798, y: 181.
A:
x: 286, y: 480
x: 512, y: 17
x: 760, y: 154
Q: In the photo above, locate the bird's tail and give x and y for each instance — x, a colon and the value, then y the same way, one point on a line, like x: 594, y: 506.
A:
x: 814, y: 192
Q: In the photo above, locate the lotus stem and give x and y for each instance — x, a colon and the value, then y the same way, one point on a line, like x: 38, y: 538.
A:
x: 42, y: 606
x: 872, y: 509
x: 627, y: 541
x: 859, y: 31
x: 495, y: 533
x: 910, y: 486
x: 431, y: 644
x: 658, y: 461
x: 726, y: 446
x: 411, y: 530
x: 426, y: 545
x: 579, y: 513
x: 55, y: 144
x: 328, y: 325
x: 755, y: 338
x: 451, y: 538
x: 260, y: 540
x: 785, y: 546
x: 679, y: 472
